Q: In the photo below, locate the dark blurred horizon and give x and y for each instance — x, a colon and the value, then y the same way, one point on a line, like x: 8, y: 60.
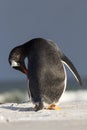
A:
x: 17, y: 91
x: 21, y: 85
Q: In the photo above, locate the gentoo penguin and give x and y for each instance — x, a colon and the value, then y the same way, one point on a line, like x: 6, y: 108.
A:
x: 45, y: 70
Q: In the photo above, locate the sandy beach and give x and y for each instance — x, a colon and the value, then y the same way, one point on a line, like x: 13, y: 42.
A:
x: 46, y: 125
x: 72, y: 115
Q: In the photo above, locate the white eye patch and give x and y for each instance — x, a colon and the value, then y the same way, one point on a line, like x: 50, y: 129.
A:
x: 14, y: 64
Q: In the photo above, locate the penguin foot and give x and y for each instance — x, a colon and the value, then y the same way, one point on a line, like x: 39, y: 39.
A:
x: 53, y: 107
x: 38, y: 107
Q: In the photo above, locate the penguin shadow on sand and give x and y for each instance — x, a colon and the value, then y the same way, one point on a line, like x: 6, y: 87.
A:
x: 16, y: 107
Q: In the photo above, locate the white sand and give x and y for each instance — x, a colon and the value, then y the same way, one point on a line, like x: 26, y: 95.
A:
x: 73, y: 115
x: 45, y: 125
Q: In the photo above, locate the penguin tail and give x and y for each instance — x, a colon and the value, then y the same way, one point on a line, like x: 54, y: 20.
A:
x: 72, y: 68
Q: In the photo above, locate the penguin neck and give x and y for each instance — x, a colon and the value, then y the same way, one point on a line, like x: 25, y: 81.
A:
x: 26, y: 48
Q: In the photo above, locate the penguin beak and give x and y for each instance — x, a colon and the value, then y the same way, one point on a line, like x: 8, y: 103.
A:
x: 14, y: 64
x: 24, y: 70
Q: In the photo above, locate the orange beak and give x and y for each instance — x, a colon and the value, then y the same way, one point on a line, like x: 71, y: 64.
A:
x: 24, y: 70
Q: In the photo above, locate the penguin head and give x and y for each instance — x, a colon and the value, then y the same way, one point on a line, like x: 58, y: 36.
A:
x: 16, y: 60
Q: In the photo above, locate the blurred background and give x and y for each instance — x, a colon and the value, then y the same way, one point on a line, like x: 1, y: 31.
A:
x: 63, y: 21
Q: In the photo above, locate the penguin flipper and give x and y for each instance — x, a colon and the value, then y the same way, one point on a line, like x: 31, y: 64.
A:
x: 72, y: 68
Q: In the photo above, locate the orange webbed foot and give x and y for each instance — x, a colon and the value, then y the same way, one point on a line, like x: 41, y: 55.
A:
x: 53, y: 107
